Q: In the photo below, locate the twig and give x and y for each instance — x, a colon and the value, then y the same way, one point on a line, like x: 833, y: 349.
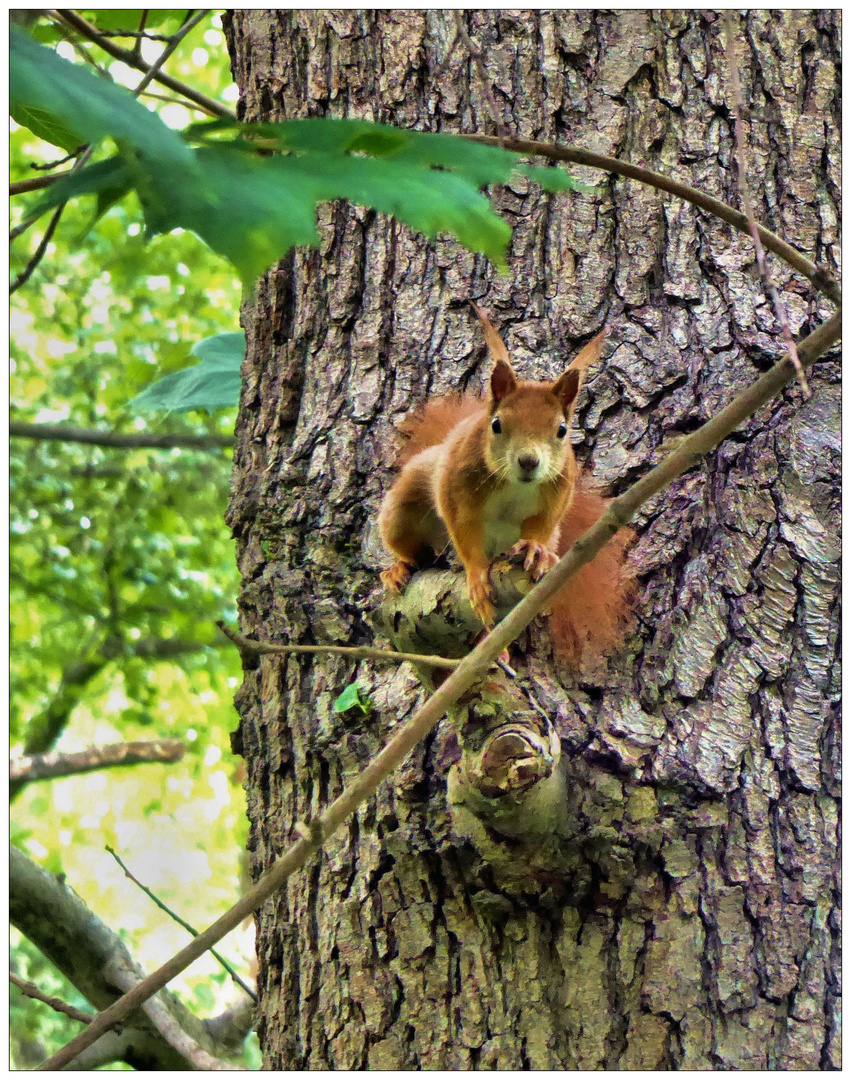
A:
x: 477, y: 57
x: 355, y: 652
x: 173, y: 42
x: 68, y: 433
x: 32, y: 991
x: 145, y: 35
x: 172, y: 100
x: 38, y: 254
x: 186, y: 926
x: 137, y: 44
x: 35, y: 184
x: 48, y: 165
x: 744, y: 190
x: 87, y: 30
x: 527, y: 693
x: 450, y: 52
x: 52, y: 764
x: 472, y: 668
x: 820, y: 278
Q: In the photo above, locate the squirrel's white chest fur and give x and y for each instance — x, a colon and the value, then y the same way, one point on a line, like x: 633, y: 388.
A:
x: 505, y: 511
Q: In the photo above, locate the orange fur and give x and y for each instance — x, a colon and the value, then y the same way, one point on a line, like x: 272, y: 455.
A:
x: 485, y: 490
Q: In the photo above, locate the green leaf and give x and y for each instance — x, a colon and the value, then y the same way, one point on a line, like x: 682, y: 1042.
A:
x: 260, y: 207
x: 478, y: 162
x: 212, y: 384
x: 128, y: 19
x: 87, y: 103
x: 47, y: 33
x: 555, y: 179
x: 44, y: 125
x: 253, y: 209
x: 351, y: 699
x: 109, y: 180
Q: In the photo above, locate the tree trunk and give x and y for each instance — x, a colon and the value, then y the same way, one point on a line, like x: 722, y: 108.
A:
x: 694, y: 924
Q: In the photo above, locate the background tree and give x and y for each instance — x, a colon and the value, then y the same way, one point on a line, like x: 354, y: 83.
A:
x: 698, y: 926
x: 120, y: 561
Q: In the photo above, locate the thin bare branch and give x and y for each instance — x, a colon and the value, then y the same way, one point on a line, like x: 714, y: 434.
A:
x: 171, y: 100
x: 137, y: 44
x: 820, y: 278
x: 30, y: 990
x: 472, y: 668
x: 119, y: 439
x: 39, y: 252
x: 35, y: 184
x: 182, y: 922
x: 145, y: 35
x: 87, y: 30
x: 48, y: 165
x: 355, y: 652
x: 478, y: 58
x: 53, y: 764
x: 745, y: 192
x: 154, y: 70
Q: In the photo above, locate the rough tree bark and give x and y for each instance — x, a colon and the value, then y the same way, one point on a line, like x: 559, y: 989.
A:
x: 696, y: 925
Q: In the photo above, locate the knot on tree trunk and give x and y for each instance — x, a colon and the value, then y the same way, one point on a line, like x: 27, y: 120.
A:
x: 513, y: 760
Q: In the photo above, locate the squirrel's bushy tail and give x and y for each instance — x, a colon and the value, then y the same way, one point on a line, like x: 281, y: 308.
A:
x: 591, y: 611
x: 430, y: 424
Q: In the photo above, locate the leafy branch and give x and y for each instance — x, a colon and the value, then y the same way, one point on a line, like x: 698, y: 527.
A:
x: 473, y: 667
x: 429, y: 181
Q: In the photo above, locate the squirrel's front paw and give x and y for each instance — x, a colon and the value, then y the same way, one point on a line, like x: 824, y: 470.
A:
x: 537, y: 559
x: 481, y: 595
x: 397, y: 577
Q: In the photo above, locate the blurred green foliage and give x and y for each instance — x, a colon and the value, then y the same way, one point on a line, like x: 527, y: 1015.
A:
x: 114, y: 551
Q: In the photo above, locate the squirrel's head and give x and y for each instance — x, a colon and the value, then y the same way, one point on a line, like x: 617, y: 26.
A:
x: 528, y: 422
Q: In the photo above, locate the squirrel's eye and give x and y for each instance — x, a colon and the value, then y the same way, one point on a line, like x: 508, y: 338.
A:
x: 562, y: 430
x: 496, y: 426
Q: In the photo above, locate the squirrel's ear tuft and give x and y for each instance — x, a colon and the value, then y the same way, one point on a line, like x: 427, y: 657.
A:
x: 590, y: 354
x: 496, y: 346
x: 566, y: 388
x: 502, y: 381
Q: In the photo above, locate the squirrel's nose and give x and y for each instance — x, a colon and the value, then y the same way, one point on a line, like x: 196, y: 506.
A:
x: 527, y: 463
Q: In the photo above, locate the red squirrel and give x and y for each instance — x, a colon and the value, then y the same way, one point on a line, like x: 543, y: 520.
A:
x: 495, y: 476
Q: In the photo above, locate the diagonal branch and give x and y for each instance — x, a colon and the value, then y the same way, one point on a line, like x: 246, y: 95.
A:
x: 39, y: 252
x: 155, y: 68
x: 472, y: 668
x: 820, y: 278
